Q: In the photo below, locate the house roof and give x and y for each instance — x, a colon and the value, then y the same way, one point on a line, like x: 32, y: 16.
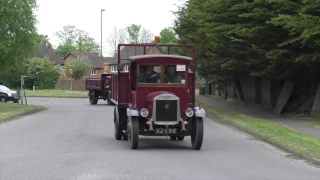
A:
x: 47, y: 50
x: 112, y: 60
x: 96, y: 60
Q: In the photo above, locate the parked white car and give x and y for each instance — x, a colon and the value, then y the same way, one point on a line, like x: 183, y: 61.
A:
x: 7, y: 94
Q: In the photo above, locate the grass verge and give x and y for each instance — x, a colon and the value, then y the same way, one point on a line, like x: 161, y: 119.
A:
x: 273, y: 132
x: 56, y: 93
x: 11, y: 110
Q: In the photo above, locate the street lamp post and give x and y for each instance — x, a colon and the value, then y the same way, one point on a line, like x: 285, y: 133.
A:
x: 101, y: 32
x: 22, y: 89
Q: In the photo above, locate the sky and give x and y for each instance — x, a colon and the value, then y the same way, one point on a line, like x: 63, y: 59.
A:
x: 52, y: 15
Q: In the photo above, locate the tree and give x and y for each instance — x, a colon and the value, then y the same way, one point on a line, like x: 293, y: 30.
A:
x: 18, y: 35
x: 145, y: 36
x: 138, y: 35
x: 167, y: 36
x: 64, y: 49
x: 81, y: 66
x: 133, y: 32
x: 85, y: 43
x: 12, y: 74
x: 118, y: 36
x: 73, y: 39
x: 243, y: 37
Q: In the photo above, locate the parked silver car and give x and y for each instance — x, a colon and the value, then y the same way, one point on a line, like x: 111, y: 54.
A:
x: 7, y: 94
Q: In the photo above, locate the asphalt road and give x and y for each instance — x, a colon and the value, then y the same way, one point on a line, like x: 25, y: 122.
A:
x: 74, y: 140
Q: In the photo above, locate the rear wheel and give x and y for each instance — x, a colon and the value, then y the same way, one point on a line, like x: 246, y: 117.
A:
x: 180, y: 138
x: 117, y: 130
x: 125, y: 136
x: 197, y: 133
x: 109, y: 99
x: 93, y: 98
x: 133, y: 132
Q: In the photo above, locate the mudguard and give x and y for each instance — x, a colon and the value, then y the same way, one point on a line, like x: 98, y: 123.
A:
x: 116, y: 115
x: 132, y: 112
x: 200, y: 112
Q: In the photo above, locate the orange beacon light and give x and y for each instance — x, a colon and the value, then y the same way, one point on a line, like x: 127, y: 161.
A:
x: 157, y: 38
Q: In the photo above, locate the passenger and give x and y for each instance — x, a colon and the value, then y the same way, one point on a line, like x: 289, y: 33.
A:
x: 172, y: 76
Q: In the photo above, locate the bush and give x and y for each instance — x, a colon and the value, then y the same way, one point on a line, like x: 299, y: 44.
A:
x: 81, y: 66
x: 42, y: 73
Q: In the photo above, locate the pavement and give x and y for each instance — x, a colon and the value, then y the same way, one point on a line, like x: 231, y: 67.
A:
x: 74, y: 140
x: 263, y: 113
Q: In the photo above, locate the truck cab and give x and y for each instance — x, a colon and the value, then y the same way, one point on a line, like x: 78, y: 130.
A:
x: 156, y: 97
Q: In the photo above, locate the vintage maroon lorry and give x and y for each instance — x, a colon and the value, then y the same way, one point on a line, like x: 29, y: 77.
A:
x: 99, y: 88
x: 155, y: 96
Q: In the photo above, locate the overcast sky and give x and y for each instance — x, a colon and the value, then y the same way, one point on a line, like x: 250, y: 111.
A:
x: 52, y: 15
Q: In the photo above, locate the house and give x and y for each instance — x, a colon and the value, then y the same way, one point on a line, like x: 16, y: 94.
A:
x: 47, y: 50
x: 96, y: 60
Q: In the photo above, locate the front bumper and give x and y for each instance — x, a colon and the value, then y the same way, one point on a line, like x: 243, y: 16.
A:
x: 148, y: 132
x: 12, y: 98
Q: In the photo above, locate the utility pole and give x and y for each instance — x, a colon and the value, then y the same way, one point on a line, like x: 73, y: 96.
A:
x: 101, y: 32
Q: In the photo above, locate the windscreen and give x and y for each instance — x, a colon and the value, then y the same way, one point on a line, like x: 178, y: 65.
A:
x: 171, y: 74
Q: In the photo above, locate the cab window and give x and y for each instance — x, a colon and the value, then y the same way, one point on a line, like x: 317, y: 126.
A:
x: 175, y: 74
x: 149, y: 74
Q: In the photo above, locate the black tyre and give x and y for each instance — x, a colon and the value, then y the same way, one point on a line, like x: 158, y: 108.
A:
x: 125, y: 136
x: 109, y: 99
x: 133, y: 132
x: 3, y: 99
x: 117, y: 130
x: 197, y: 133
x: 93, y: 98
x: 181, y: 138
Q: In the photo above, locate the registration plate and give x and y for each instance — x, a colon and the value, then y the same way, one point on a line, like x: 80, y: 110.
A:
x: 166, y: 131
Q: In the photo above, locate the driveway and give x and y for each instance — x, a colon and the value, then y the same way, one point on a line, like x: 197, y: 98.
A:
x: 74, y: 140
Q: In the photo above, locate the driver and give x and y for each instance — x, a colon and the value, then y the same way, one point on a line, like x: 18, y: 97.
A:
x: 150, y: 76
x: 172, y: 76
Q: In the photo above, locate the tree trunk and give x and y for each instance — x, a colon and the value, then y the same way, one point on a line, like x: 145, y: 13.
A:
x: 313, y: 87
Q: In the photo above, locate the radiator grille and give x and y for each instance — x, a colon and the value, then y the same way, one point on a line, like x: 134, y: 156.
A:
x: 166, y: 110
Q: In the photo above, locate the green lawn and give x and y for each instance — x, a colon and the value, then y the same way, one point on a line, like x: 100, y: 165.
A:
x: 56, y: 93
x: 9, y: 110
x: 272, y: 131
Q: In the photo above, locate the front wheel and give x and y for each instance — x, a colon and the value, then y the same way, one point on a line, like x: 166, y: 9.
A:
x: 172, y: 138
x: 93, y: 98
x: 197, y: 133
x: 133, y: 132
x: 3, y: 99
